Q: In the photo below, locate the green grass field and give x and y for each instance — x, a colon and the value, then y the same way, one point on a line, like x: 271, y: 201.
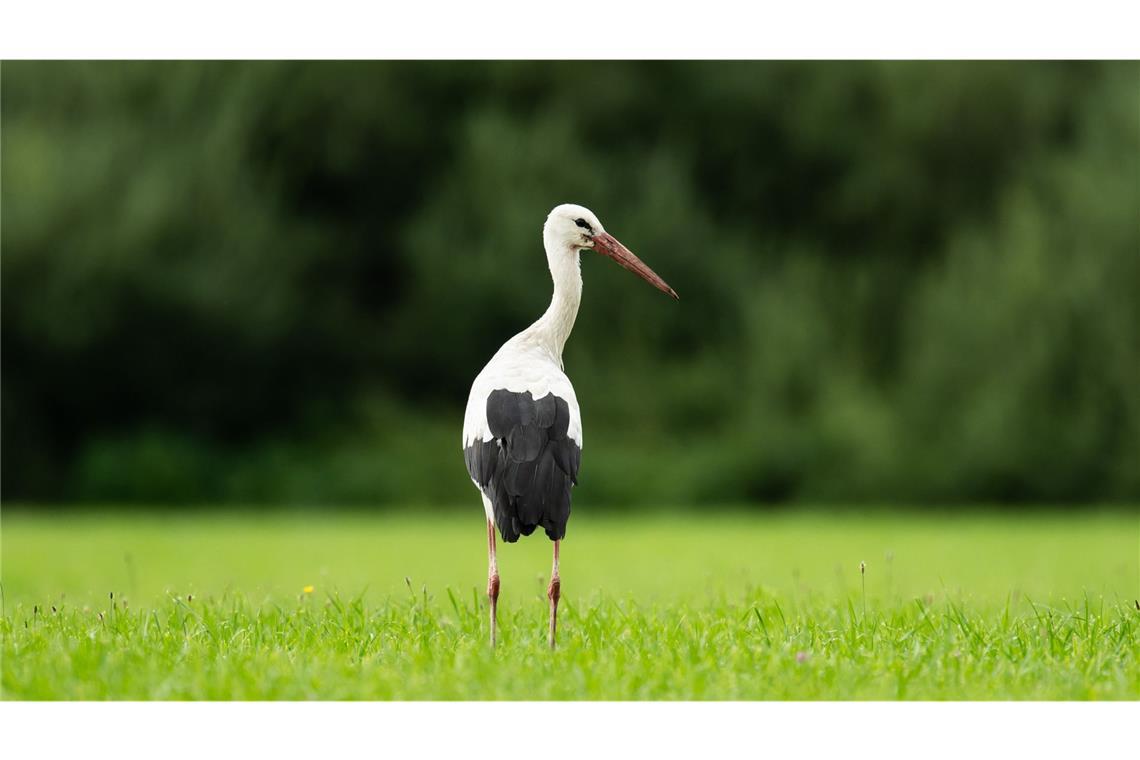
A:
x: 727, y: 606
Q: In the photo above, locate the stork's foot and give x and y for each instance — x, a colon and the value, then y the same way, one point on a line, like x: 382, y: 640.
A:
x: 493, y: 597
x: 553, y: 593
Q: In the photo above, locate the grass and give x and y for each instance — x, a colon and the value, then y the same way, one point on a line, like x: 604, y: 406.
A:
x: 720, y: 606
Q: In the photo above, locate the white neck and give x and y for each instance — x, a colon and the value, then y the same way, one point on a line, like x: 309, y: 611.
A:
x: 553, y: 328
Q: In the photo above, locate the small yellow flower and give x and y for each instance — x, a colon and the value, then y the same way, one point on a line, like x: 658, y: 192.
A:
x: 307, y: 590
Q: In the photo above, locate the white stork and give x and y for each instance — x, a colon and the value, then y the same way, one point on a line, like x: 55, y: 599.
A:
x: 522, y: 434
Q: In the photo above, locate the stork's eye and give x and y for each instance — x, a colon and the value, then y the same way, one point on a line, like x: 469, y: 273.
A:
x: 584, y: 225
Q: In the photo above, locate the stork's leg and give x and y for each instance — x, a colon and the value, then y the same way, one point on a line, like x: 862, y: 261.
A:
x: 492, y: 578
x: 553, y: 592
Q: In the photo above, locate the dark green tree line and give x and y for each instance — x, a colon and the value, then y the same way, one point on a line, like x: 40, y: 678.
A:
x: 271, y: 282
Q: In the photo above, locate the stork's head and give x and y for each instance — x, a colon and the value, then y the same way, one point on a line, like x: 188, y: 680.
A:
x: 571, y: 229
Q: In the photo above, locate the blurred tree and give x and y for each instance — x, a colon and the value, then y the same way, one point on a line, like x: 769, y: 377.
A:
x: 273, y: 282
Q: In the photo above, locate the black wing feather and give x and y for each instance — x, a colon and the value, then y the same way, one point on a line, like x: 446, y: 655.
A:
x: 528, y: 468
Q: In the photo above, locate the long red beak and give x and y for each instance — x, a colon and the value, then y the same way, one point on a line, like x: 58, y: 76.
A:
x: 607, y: 244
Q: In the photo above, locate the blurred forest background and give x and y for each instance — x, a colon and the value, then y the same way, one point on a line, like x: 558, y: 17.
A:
x: 273, y: 283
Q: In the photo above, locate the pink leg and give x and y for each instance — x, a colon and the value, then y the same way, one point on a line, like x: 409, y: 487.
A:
x: 553, y: 592
x: 492, y: 579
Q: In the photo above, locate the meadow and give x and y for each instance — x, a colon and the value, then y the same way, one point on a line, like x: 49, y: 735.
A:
x: 695, y: 605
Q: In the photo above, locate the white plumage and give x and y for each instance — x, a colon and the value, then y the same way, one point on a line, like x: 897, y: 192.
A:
x: 519, y: 366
